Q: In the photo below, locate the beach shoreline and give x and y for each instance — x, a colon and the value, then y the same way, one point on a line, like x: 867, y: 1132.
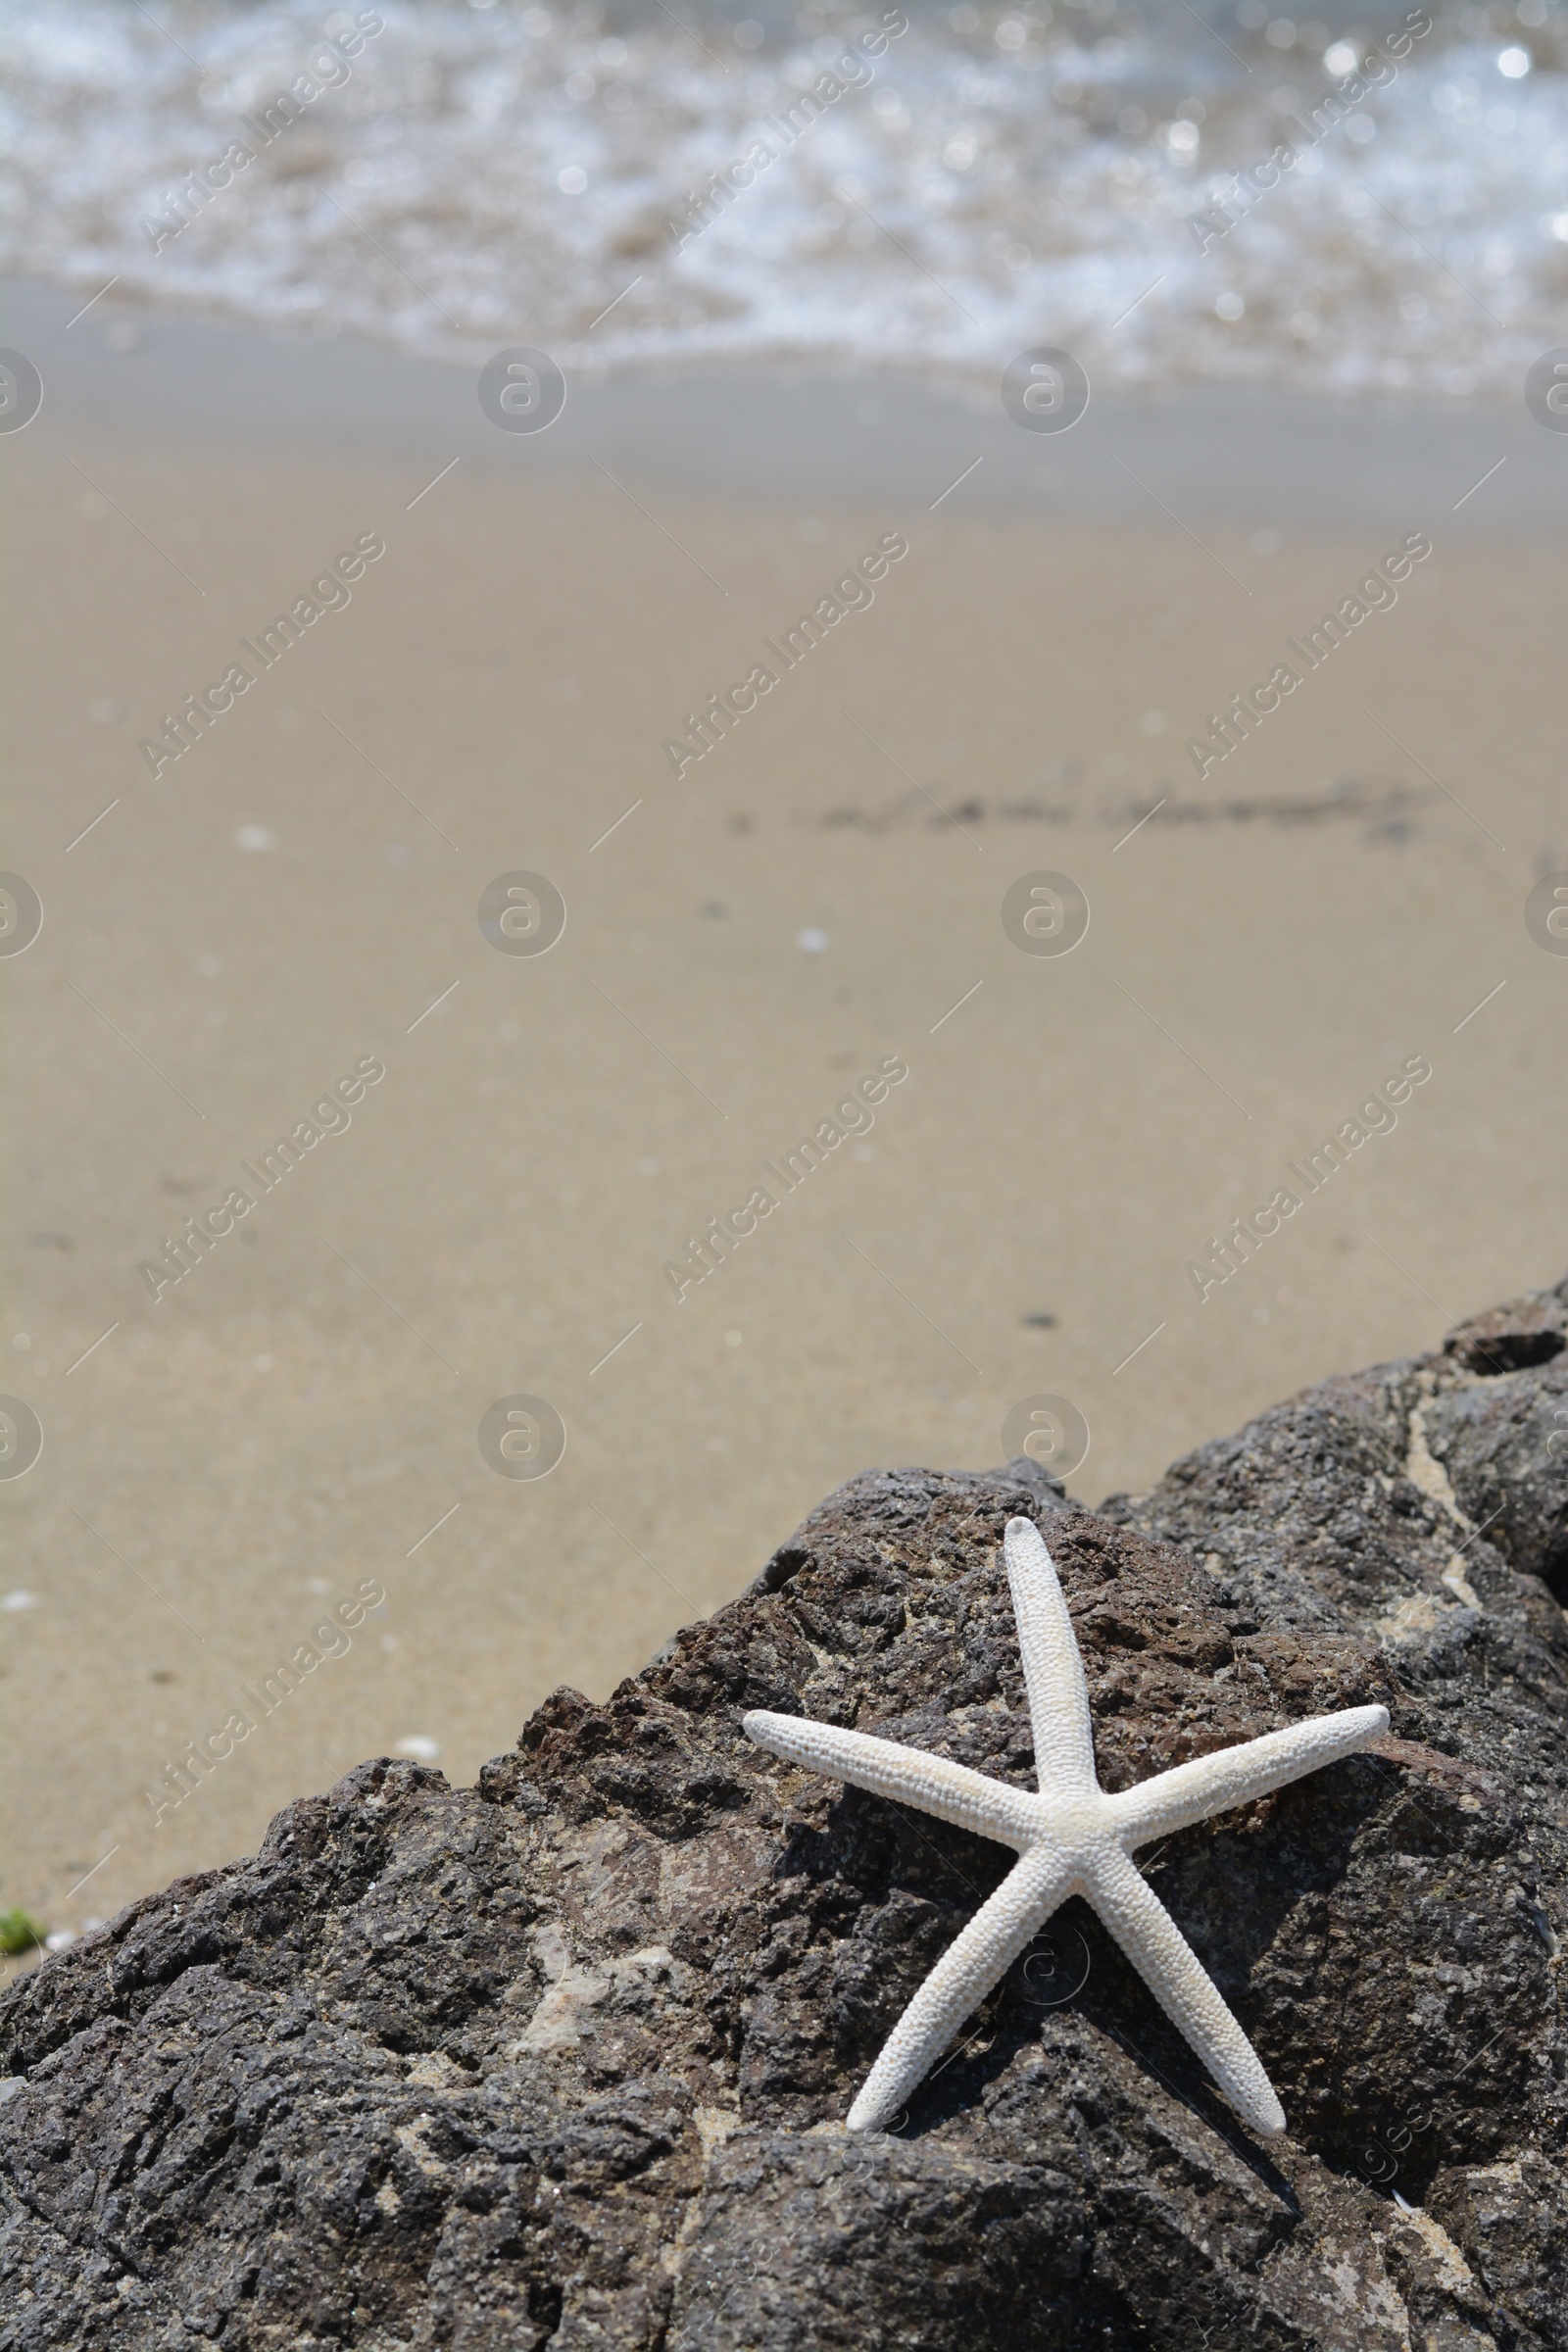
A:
x: 1238, y: 455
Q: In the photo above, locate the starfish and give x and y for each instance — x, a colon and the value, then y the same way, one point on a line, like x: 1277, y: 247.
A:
x: 1072, y: 1839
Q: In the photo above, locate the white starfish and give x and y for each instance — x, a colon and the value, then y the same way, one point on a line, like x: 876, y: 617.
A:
x: 1072, y: 1839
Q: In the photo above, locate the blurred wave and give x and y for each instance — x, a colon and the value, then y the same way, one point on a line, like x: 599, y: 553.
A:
x: 473, y: 176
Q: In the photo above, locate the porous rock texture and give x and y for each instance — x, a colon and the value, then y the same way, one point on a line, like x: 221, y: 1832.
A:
x: 562, y: 2059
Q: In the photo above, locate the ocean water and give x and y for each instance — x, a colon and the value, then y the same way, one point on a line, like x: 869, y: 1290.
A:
x: 982, y: 182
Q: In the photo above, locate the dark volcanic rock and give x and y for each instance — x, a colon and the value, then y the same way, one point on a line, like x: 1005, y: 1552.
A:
x: 562, y: 2059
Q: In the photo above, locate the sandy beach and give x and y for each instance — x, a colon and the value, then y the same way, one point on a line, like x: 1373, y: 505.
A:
x: 748, y: 942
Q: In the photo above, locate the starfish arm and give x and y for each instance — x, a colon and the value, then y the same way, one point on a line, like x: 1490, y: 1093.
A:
x: 971, y: 1965
x: 1052, y: 1670
x: 908, y: 1775
x: 1174, y: 1975
x: 1233, y: 1776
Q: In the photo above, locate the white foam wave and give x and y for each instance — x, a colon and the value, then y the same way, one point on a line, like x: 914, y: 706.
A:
x: 490, y: 175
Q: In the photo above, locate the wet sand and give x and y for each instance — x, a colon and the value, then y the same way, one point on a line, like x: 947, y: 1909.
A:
x: 290, y: 1421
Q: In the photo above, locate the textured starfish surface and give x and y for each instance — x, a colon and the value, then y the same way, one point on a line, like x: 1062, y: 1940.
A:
x: 1072, y: 1839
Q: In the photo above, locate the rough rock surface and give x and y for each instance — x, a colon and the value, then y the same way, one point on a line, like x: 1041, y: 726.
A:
x: 562, y: 2059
